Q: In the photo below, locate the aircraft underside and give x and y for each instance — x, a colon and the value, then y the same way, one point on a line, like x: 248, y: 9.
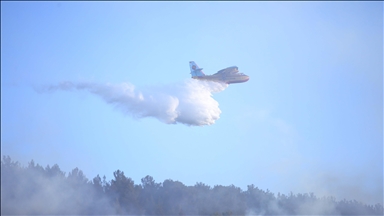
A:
x: 228, y: 79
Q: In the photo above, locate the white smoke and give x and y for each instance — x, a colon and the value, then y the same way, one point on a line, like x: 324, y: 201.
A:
x: 189, y: 102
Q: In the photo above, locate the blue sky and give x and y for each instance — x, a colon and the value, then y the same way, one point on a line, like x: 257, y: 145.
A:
x: 310, y: 119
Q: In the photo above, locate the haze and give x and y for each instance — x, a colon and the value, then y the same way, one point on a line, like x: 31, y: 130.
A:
x: 310, y: 119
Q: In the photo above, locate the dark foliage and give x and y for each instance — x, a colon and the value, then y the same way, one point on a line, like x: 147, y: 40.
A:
x: 37, y: 190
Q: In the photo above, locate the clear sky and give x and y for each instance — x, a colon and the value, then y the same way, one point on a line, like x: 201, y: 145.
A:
x: 310, y: 119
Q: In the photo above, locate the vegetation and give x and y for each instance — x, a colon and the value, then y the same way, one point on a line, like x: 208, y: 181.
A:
x: 37, y: 190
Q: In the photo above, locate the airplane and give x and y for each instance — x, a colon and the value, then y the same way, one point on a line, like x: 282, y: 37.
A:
x: 228, y: 75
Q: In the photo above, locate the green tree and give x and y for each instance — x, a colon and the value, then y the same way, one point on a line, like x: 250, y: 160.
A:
x: 125, y: 194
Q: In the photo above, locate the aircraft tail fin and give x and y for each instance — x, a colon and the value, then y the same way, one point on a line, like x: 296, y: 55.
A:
x: 196, y: 71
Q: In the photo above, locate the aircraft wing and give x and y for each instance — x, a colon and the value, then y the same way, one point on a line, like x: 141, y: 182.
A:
x: 229, y: 70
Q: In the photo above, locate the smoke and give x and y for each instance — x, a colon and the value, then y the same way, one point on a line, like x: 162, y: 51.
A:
x: 38, y: 191
x: 358, y: 186
x: 189, y: 102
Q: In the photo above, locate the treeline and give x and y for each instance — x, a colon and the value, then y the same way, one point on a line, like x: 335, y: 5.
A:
x: 37, y: 190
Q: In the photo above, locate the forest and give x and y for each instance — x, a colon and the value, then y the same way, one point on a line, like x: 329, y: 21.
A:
x: 34, y: 190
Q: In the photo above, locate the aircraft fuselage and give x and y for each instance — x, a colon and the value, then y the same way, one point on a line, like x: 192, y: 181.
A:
x: 227, y: 75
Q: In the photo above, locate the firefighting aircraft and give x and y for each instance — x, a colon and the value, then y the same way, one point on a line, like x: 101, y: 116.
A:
x: 228, y: 75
